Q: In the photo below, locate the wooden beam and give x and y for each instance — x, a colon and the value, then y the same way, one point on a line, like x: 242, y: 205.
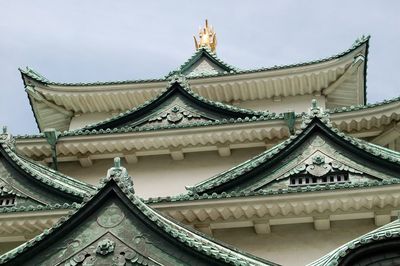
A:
x: 204, y: 228
x: 322, y: 223
x: 131, y: 158
x: 224, y: 151
x: 85, y: 161
x: 382, y: 219
x: 262, y: 227
x: 177, y: 155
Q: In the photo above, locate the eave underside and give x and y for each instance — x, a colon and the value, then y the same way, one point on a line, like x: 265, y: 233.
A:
x: 341, y: 80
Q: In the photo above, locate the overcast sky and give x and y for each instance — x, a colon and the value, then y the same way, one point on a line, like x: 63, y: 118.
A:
x: 78, y: 41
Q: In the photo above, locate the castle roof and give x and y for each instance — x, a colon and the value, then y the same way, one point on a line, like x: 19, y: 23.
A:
x: 114, y: 225
x: 380, y: 245
x: 316, y: 146
x: 341, y: 76
x: 26, y: 184
x: 176, y: 105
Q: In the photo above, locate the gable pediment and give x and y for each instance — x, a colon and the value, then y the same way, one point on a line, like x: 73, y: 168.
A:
x: 115, y: 227
x: 316, y: 155
x: 177, y: 105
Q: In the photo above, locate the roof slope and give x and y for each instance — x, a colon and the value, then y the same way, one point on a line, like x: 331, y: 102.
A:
x: 373, y: 245
x: 32, y: 183
x: 114, y: 225
x: 176, y: 105
x: 317, y: 150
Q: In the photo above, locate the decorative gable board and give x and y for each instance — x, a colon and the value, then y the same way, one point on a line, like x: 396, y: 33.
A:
x: 318, y: 155
x: 176, y: 105
x: 114, y: 227
x: 203, y: 67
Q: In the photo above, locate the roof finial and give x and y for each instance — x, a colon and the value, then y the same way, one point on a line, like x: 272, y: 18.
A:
x: 119, y: 172
x: 207, y: 38
x: 117, y: 162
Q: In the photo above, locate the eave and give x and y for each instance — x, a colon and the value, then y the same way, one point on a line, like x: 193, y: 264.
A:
x: 46, y: 181
x: 21, y: 225
x: 222, y: 137
x: 262, y: 211
x: 319, y: 206
x: 340, y: 78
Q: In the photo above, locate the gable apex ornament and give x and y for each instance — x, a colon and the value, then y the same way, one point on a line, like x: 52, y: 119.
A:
x: 207, y: 38
x: 120, y: 174
x: 315, y: 111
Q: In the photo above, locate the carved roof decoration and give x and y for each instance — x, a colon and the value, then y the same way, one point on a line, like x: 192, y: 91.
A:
x: 389, y: 233
x: 114, y: 225
x: 316, y: 139
x: 175, y: 105
x: 34, y: 184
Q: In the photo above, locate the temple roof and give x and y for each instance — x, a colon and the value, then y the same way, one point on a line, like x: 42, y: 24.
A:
x: 316, y: 150
x: 30, y: 184
x: 341, y: 76
x: 228, y: 69
x: 177, y: 105
x: 378, y: 238
x: 114, y: 225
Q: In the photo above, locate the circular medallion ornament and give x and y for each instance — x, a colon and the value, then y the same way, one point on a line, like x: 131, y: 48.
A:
x: 111, y: 217
x: 318, y: 142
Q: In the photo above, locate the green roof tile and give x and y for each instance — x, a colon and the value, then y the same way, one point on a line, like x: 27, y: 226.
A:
x: 387, y: 232
x: 315, y: 116
x: 118, y: 187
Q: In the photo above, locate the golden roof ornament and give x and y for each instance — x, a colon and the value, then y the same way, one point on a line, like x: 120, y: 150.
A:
x: 207, y: 38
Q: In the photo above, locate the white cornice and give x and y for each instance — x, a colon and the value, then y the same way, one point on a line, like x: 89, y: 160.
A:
x: 306, y: 207
x: 364, y: 123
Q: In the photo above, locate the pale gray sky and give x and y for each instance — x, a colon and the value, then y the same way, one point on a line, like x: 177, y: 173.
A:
x: 75, y: 41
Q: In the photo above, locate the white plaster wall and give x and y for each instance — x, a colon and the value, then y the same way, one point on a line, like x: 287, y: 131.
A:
x: 284, y: 104
x: 294, y: 245
x: 160, y: 175
x: 82, y: 120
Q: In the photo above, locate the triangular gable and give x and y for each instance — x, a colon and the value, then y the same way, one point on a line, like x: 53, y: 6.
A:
x: 203, y: 63
x: 176, y: 105
x: 114, y: 226
x: 316, y: 155
x: 378, y: 247
x: 26, y: 183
